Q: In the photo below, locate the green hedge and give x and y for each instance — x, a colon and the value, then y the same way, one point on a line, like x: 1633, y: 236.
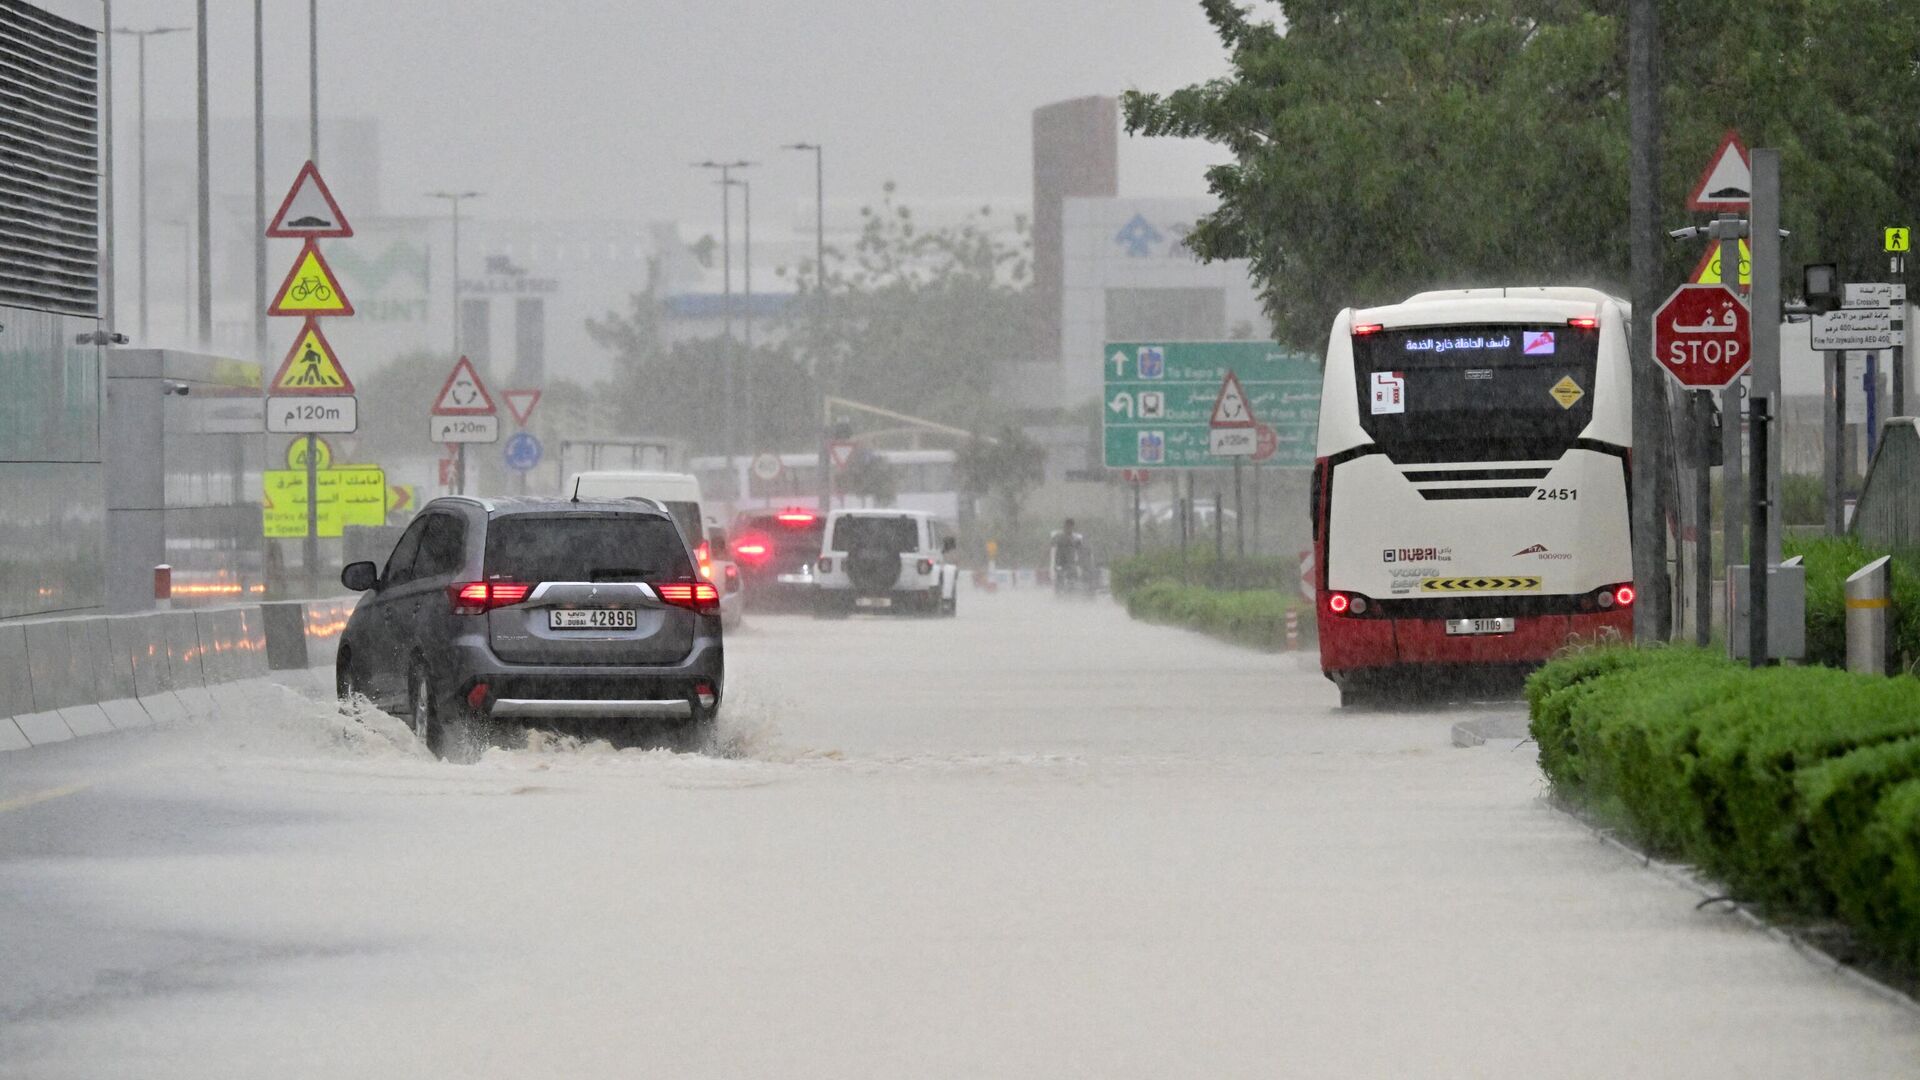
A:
x: 1830, y: 561
x: 1797, y: 787
x: 1199, y: 567
x: 1256, y: 617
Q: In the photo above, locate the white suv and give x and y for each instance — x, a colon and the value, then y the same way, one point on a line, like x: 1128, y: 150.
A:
x: 885, y: 560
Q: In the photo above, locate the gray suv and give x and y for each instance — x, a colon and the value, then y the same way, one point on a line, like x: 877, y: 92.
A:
x: 510, y: 612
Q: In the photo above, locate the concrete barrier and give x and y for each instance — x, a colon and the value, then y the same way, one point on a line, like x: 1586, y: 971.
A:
x: 63, y: 678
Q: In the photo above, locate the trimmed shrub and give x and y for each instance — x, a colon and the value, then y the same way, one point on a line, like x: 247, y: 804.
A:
x: 1199, y: 567
x: 1256, y: 617
x: 1829, y: 562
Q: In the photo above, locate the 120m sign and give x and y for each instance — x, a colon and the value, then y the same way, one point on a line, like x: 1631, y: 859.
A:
x: 312, y: 415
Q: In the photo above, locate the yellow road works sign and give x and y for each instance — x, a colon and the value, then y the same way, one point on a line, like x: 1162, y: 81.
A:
x: 1567, y: 392
x: 311, y: 367
x: 311, y: 288
x: 352, y: 495
x: 1708, y: 271
x: 1479, y: 584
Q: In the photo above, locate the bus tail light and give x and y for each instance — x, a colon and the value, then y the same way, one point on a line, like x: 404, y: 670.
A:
x: 1348, y: 604
x: 1584, y: 323
x: 1363, y: 329
x: 1611, y: 596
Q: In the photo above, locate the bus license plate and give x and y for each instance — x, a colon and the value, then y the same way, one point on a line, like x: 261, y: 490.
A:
x: 873, y: 601
x: 592, y: 619
x: 1480, y: 626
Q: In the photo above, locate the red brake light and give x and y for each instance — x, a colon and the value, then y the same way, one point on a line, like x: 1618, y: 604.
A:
x: 479, y: 597
x: 1584, y: 324
x: 1363, y: 329
x: 1623, y: 595
x: 795, y: 518
x: 753, y: 548
x: 699, y: 596
x: 1338, y: 603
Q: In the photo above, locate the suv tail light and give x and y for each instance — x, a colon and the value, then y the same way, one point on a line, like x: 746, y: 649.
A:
x: 696, y: 596
x: 704, y: 556
x: 480, y: 597
x: 752, y: 549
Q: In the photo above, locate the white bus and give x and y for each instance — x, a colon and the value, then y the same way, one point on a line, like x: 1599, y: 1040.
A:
x: 1470, y: 495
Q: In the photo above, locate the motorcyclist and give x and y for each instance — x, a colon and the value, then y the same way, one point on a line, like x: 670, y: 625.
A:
x: 1069, y: 550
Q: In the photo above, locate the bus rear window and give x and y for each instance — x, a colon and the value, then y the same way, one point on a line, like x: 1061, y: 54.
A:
x: 1476, y: 393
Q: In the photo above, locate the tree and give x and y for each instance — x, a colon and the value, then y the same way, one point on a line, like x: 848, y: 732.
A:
x: 678, y: 388
x: 1380, y: 147
x: 1007, y: 470
x: 917, y: 319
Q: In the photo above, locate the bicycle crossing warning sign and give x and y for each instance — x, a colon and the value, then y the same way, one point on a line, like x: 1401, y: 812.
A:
x: 311, y: 288
x: 311, y: 367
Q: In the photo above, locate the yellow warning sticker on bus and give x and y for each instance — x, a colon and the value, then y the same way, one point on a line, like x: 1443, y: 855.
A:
x: 1567, y: 392
x: 1479, y: 584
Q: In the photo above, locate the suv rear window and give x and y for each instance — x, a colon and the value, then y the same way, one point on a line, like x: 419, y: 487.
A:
x: 785, y: 535
x: 585, y: 547
x: 892, y: 533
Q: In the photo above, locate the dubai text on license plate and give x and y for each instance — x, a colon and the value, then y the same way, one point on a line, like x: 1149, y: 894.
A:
x: 591, y: 619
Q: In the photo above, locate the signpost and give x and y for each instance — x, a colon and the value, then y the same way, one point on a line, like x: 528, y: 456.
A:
x: 841, y: 451
x: 312, y: 391
x: 520, y: 403
x: 1161, y: 400
x: 463, y: 413
x: 522, y: 453
x: 349, y: 495
x: 1727, y: 184
x: 1853, y: 328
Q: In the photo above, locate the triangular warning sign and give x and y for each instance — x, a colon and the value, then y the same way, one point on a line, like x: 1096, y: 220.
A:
x: 520, y: 403
x: 1728, y: 182
x: 464, y: 394
x: 1231, y: 409
x: 311, y: 367
x: 311, y: 288
x: 309, y: 211
x: 841, y: 451
x: 1707, y: 271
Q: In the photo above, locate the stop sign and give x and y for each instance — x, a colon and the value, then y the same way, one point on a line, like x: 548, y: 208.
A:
x: 1703, y: 336
x: 1266, y: 442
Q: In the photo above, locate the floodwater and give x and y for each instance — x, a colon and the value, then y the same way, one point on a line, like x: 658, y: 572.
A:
x: 1038, y: 840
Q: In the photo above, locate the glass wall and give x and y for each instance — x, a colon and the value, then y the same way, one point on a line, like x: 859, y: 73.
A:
x: 52, y: 488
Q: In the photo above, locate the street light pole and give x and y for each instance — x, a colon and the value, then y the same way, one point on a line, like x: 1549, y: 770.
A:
x: 454, y: 199
x: 140, y: 52
x: 259, y: 185
x: 819, y: 302
x: 204, y: 234
x: 728, y: 361
x: 746, y: 379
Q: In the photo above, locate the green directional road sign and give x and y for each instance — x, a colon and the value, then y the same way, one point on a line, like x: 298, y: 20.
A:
x: 1160, y: 397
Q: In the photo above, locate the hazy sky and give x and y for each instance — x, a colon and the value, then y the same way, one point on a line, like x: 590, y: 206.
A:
x: 591, y: 107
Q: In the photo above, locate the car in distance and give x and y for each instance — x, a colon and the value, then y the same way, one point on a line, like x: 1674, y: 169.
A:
x: 538, y: 612
x: 680, y: 494
x: 776, y: 551
x: 885, y: 560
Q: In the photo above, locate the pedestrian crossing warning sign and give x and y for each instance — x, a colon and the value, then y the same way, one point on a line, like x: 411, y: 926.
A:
x: 311, y: 367
x: 310, y: 288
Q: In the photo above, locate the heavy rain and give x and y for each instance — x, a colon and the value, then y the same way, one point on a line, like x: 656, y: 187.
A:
x: 1015, y: 540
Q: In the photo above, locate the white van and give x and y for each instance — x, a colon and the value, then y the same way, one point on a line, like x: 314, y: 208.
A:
x: 680, y: 494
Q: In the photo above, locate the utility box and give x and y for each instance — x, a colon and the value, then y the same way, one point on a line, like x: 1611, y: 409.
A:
x: 1786, y: 611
